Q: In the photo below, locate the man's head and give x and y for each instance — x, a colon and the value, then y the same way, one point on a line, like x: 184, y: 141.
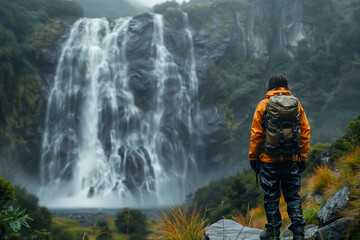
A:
x: 277, y: 81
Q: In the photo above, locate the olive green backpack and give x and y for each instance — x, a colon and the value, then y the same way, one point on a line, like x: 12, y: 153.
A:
x: 281, y: 122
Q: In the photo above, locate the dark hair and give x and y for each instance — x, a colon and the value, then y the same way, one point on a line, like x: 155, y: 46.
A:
x: 277, y: 81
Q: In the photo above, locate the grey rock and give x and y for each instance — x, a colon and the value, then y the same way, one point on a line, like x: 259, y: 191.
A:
x: 336, y: 203
x: 323, y: 158
x: 230, y: 230
x: 334, y: 231
x: 310, y: 231
x: 319, y: 199
x: 214, y: 120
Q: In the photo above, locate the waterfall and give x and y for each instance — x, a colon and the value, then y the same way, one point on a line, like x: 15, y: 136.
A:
x: 100, y: 146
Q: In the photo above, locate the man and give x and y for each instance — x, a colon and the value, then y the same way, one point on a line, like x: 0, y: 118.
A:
x: 280, y: 164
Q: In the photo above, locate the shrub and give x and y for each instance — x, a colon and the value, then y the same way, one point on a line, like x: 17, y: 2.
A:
x: 25, y: 199
x: 349, y: 142
x: 244, y: 193
x: 41, y: 216
x: 349, y: 168
x: 12, y: 219
x: 6, y: 192
x: 133, y: 222
x: 178, y: 225
x: 161, y: 8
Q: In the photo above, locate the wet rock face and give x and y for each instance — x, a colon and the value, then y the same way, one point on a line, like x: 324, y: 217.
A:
x: 328, y: 212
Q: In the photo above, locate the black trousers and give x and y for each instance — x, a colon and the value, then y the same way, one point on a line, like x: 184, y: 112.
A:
x: 285, y: 177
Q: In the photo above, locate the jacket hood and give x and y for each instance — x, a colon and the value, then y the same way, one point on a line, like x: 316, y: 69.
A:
x: 276, y: 92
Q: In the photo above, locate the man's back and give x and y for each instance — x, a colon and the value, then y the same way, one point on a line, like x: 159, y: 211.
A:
x: 279, y: 144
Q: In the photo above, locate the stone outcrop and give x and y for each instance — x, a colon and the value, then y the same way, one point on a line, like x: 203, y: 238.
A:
x: 334, y: 231
x: 229, y: 229
x: 328, y: 212
x: 310, y: 231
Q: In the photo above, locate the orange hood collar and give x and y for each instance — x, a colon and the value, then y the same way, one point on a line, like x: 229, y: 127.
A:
x: 276, y: 92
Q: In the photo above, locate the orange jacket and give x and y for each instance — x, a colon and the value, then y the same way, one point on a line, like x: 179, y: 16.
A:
x: 258, y: 132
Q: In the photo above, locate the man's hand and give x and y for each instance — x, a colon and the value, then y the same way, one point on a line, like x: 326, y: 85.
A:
x: 255, y: 165
x: 302, y: 166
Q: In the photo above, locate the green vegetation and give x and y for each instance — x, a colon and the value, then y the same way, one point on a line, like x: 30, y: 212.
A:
x: 41, y: 216
x: 161, y: 8
x: 14, y: 222
x: 107, y: 229
x: 227, y: 196
x: 25, y: 27
x: 347, y: 143
x: 68, y: 229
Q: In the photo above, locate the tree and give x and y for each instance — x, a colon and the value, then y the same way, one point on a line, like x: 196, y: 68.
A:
x: 133, y: 222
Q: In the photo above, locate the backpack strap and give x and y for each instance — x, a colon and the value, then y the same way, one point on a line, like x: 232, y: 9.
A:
x: 282, y: 141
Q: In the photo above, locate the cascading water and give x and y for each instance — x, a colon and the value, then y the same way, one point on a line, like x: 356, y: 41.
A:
x: 99, y: 143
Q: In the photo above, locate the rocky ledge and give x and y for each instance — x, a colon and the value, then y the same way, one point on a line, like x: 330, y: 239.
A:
x: 332, y: 227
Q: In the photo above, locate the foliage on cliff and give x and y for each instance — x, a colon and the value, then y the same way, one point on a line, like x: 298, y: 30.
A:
x: 25, y: 27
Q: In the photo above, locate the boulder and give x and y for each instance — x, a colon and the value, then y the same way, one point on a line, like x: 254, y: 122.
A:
x: 328, y: 212
x: 230, y: 230
x: 323, y: 158
x: 310, y: 231
x: 334, y: 231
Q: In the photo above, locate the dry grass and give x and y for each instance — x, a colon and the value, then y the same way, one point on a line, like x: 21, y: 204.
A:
x: 178, y: 225
x: 323, y: 179
x: 349, y: 166
x: 254, y: 218
x: 351, y: 161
